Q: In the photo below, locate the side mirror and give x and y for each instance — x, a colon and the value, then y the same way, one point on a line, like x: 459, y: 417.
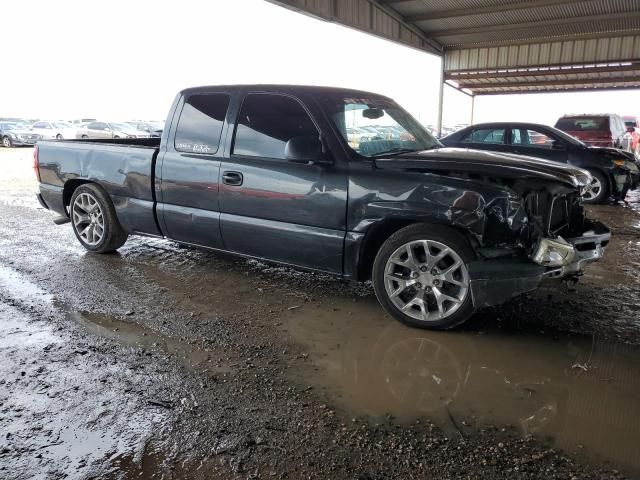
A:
x: 305, y: 150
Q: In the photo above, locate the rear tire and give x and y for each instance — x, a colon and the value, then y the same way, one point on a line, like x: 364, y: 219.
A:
x: 59, y: 137
x: 94, y: 219
x: 600, y: 188
x: 84, y: 136
x: 430, y: 286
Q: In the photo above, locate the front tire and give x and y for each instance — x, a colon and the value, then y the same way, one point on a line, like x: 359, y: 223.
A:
x: 421, y: 277
x: 59, y: 137
x: 6, y: 142
x: 94, y: 220
x: 599, y: 188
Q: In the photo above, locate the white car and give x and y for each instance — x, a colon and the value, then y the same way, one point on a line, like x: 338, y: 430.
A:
x: 54, y: 130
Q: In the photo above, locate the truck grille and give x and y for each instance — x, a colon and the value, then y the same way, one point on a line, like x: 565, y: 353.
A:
x: 566, y: 214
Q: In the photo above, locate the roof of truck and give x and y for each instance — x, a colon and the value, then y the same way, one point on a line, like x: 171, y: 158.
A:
x: 282, y: 88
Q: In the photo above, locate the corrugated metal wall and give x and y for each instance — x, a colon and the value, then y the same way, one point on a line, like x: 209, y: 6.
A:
x: 594, y: 50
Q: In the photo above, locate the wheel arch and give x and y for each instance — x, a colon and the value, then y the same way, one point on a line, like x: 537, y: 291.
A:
x: 379, y: 232
x: 70, y: 186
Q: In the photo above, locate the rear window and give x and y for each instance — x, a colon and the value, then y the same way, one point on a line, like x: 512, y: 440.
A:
x: 578, y: 124
x: 200, y: 124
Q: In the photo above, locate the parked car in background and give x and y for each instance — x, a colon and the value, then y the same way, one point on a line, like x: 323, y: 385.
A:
x: 109, y: 130
x: 13, y: 135
x: 599, y: 130
x: 82, y: 121
x: 614, y: 171
x: 154, y: 129
x: 441, y: 232
x: 633, y: 128
x: 54, y: 130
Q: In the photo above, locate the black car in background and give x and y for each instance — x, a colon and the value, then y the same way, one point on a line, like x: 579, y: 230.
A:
x: 614, y: 171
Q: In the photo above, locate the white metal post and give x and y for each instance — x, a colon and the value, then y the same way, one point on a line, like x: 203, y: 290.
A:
x: 473, y: 108
x: 440, y: 99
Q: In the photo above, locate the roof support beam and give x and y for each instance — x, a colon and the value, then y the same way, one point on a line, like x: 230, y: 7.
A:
x: 557, y: 90
x: 487, y: 75
x: 542, y: 84
x: 468, y: 12
x: 595, y: 19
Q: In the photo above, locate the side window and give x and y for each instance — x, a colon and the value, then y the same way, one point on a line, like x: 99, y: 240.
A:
x: 201, y: 121
x: 530, y: 138
x: 267, y: 122
x: 39, y: 125
x: 485, y: 135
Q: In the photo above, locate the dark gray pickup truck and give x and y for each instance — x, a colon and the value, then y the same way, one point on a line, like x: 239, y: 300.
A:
x: 286, y: 174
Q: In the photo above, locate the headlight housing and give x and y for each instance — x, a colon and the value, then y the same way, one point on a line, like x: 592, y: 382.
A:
x: 622, y: 163
x: 554, y: 252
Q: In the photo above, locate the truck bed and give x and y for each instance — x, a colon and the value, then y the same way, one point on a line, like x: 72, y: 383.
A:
x: 125, y: 168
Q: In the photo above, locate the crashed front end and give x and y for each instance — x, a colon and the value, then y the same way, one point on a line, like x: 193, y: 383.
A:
x: 542, y: 234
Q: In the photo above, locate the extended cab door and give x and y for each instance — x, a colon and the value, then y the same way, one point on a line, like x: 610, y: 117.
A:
x: 276, y: 208
x: 188, y: 204
x: 535, y: 142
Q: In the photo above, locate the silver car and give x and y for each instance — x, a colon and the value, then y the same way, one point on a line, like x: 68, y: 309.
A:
x: 109, y: 130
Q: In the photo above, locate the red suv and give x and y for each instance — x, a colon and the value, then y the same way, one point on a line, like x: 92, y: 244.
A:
x: 599, y: 130
x: 633, y: 127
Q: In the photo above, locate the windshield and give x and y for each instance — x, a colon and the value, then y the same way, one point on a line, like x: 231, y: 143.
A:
x: 374, y: 126
x: 569, y: 138
x: 8, y: 126
x: 61, y: 125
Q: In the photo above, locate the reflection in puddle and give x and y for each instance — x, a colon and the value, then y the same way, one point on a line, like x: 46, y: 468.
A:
x: 579, y: 394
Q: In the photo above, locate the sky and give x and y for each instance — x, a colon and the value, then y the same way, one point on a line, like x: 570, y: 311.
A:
x: 125, y: 59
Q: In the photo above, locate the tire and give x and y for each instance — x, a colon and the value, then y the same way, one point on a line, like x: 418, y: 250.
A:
x: 84, y: 136
x: 6, y: 142
x: 93, y: 215
x: 418, y: 282
x: 59, y: 137
x: 600, y: 188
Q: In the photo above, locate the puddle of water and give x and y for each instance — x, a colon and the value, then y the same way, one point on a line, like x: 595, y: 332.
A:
x: 135, y: 335
x: 578, y: 394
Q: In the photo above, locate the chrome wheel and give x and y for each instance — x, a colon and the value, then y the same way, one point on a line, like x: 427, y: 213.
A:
x: 426, y: 280
x: 6, y: 142
x: 594, y: 190
x: 88, y: 219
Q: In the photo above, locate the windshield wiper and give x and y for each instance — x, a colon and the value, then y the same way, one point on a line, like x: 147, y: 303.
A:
x: 401, y: 150
x: 395, y: 151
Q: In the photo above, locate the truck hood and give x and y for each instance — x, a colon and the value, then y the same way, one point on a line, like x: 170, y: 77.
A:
x: 502, y: 165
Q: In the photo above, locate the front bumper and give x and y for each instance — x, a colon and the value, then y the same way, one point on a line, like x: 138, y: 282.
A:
x: 495, y: 281
x: 588, y: 247
x: 23, y: 141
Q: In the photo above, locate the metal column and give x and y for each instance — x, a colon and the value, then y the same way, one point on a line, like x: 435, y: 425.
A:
x: 440, y: 99
x: 473, y: 108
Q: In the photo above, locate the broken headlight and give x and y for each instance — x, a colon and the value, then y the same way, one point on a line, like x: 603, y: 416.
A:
x: 554, y: 252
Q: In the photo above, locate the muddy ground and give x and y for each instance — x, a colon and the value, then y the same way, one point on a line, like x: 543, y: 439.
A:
x: 166, y: 362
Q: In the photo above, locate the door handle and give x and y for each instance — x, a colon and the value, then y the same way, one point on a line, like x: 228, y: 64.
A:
x: 232, y: 178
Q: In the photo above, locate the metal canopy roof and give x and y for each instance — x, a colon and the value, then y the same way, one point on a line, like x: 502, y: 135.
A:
x: 506, y: 46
